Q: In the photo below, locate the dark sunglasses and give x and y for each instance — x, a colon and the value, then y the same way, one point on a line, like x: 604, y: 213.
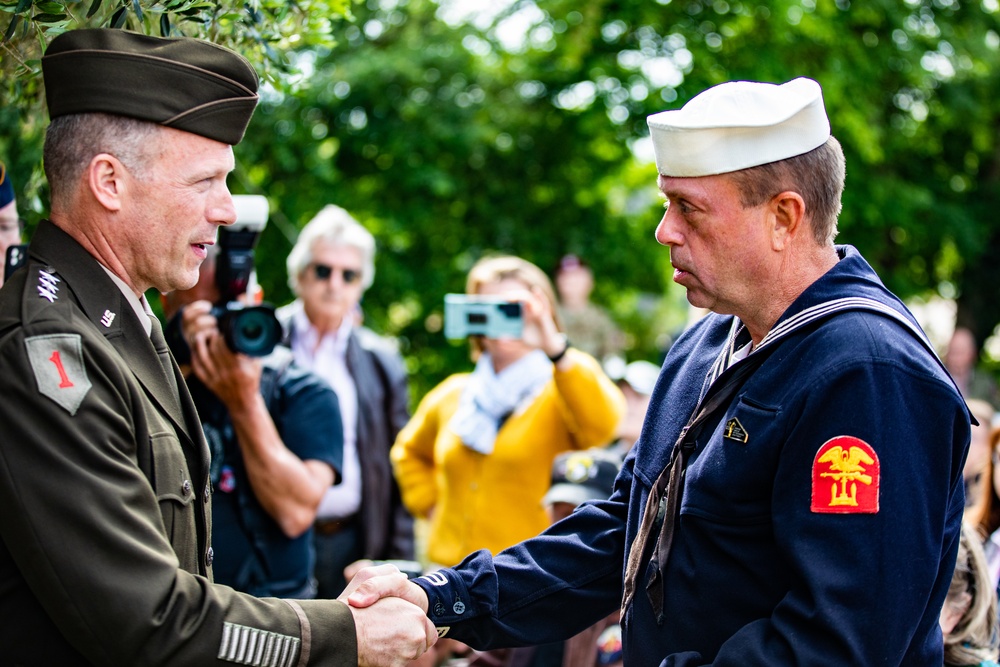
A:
x: 323, y: 272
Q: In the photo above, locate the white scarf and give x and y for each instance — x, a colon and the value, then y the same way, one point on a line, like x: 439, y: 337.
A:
x: 489, y: 398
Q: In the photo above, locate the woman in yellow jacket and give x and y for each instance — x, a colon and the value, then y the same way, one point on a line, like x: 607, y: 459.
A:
x: 475, y: 458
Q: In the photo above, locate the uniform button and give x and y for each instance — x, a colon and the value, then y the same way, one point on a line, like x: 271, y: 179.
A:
x: 186, y: 487
x: 210, y: 556
x: 208, y: 491
x: 439, y: 609
x: 458, y: 607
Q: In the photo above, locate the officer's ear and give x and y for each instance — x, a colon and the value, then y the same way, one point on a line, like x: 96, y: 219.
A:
x: 107, y: 179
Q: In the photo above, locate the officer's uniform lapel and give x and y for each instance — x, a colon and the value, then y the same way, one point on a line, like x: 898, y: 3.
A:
x: 138, y: 352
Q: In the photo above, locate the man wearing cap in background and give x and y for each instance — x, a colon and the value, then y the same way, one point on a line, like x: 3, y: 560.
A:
x: 10, y: 223
x: 796, y: 494
x: 106, y: 553
x: 587, y: 324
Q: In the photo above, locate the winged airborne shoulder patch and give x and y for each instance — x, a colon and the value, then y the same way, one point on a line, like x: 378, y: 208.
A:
x: 57, y: 362
x: 845, y: 477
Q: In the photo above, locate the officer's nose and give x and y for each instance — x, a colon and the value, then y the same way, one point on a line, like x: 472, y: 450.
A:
x: 224, y: 210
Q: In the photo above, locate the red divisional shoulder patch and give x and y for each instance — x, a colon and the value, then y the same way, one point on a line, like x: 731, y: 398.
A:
x: 59, y: 368
x: 845, y: 477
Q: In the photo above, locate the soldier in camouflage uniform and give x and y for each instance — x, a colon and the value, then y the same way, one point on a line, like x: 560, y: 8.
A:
x: 588, y: 325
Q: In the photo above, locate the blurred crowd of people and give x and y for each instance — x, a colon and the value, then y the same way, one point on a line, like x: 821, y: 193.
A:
x: 489, y: 458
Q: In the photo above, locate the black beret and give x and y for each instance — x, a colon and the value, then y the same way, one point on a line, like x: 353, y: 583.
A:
x: 178, y: 82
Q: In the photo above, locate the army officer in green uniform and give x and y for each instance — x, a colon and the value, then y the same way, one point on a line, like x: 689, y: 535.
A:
x: 106, y: 554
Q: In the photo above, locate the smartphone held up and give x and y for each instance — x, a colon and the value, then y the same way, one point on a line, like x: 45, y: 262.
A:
x: 478, y: 315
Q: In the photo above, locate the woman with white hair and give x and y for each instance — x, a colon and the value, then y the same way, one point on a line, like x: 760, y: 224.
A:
x: 329, y: 269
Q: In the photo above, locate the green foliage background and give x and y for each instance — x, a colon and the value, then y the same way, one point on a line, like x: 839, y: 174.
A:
x: 452, y: 139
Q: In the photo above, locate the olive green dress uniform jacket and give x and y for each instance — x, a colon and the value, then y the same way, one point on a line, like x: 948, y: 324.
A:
x: 105, y: 502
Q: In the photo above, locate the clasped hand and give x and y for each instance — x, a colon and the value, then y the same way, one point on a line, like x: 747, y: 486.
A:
x: 390, y: 617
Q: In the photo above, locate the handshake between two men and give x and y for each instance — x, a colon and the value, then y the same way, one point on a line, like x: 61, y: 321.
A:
x: 390, y: 617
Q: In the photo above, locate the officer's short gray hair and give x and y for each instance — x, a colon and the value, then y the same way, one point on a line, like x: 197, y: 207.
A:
x: 336, y: 226
x: 72, y: 141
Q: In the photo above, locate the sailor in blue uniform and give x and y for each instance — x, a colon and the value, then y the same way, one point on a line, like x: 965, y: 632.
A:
x: 795, y: 496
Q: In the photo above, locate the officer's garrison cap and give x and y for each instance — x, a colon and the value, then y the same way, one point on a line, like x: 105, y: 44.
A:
x: 738, y: 125
x: 183, y: 83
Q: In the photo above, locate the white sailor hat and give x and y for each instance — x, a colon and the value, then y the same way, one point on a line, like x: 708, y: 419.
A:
x: 737, y: 125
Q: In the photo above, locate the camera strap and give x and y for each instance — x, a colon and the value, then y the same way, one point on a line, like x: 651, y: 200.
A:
x: 253, y: 575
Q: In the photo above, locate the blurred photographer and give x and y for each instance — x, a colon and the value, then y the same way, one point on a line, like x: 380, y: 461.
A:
x: 274, y: 430
x: 475, y: 458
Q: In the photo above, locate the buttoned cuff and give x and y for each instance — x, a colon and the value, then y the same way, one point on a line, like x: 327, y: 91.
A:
x: 448, y: 600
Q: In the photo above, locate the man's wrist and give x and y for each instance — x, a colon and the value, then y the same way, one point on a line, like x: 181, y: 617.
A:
x: 418, y: 596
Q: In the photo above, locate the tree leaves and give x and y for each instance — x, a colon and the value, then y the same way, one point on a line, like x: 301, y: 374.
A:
x: 118, y: 18
x: 262, y: 31
x: 11, y: 27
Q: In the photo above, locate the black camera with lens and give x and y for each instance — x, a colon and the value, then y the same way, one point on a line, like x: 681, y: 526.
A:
x: 251, y: 330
